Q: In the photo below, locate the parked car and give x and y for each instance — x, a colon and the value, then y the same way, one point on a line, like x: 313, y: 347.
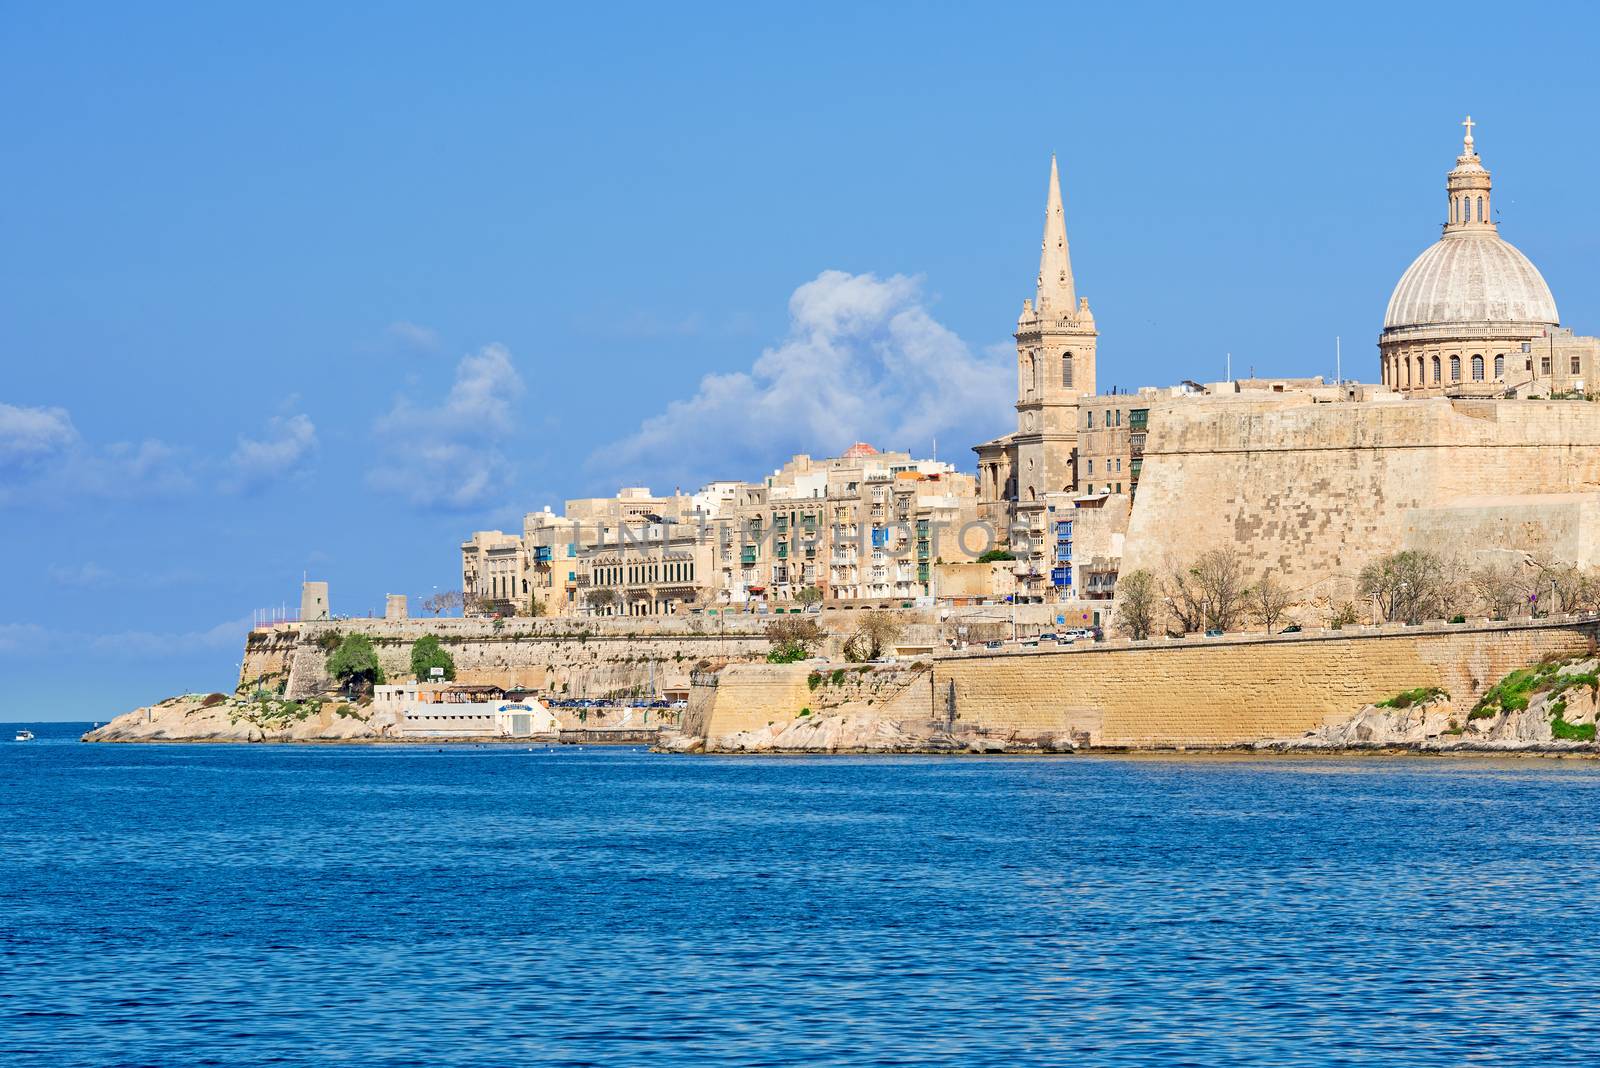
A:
x: 1292, y: 628
x: 996, y: 644
x: 1214, y: 632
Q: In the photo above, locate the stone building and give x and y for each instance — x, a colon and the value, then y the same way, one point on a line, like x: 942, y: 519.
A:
x: 1056, y: 355
x: 1472, y: 316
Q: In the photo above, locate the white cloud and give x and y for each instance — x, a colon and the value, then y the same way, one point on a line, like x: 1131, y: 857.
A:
x: 414, y: 336
x: 448, y: 455
x: 863, y: 360
x: 29, y: 435
x: 258, y: 462
x: 43, y: 459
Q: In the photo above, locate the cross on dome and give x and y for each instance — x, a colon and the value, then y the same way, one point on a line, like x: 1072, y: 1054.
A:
x: 1469, y: 124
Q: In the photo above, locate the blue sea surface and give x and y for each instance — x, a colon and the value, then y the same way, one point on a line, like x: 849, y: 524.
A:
x: 321, y: 905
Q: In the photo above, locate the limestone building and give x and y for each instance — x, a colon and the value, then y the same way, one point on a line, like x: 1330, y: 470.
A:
x: 1472, y: 316
x: 1056, y: 351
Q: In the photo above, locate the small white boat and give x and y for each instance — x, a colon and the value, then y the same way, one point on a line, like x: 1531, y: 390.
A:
x: 24, y: 735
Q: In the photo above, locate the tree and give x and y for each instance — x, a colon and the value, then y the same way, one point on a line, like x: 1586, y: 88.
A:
x: 996, y: 555
x: 1219, y: 574
x: 1136, y: 602
x: 600, y: 598
x: 355, y: 664
x: 443, y: 601
x: 1181, y: 595
x: 793, y: 639
x: 1408, y: 586
x: 809, y: 595
x: 1495, y: 584
x: 873, y: 637
x: 427, y: 654
x: 1269, y: 600
x: 1209, y: 594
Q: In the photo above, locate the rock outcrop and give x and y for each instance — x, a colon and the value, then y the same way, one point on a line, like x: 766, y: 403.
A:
x: 1549, y: 707
x: 220, y: 718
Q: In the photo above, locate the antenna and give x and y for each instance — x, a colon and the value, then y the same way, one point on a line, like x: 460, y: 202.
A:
x: 1229, y: 365
x: 1338, y: 370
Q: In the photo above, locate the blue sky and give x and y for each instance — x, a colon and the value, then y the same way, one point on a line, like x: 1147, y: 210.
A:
x: 286, y: 289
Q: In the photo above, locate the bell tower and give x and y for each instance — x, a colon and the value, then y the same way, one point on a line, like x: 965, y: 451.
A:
x: 1055, y: 363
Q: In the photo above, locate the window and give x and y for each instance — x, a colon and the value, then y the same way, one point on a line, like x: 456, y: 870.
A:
x: 1575, y: 365
x: 1527, y: 346
x: 1480, y: 209
x: 1455, y: 368
x: 1091, y: 419
x: 1436, y: 370
x: 1500, y: 365
x: 1477, y: 368
x: 1544, y: 365
x: 1091, y: 467
x: 1066, y: 369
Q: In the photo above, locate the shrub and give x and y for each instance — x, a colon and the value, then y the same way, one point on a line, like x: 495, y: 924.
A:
x: 1413, y: 697
x: 212, y: 700
x: 427, y: 654
x: 994, y: 556
x: 1458, y: 619
x: 814, y: 680
x: 837, y: 678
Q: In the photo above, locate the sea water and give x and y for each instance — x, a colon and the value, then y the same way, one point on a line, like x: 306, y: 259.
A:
x: 413, y: 905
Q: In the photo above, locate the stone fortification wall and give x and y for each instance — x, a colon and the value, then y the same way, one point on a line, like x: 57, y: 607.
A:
x: 1236, y: 689
x: 1229, y: 691
x: 602, y: 659
x: 748, y: 697
x: 1315, y: 491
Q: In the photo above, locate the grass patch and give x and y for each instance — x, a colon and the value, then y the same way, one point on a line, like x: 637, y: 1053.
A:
x: 1412, y: 697
x: 807, y: 712
x: 1512, y: 693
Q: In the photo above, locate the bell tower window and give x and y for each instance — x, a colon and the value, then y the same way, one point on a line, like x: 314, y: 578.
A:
x: 1066, y: 369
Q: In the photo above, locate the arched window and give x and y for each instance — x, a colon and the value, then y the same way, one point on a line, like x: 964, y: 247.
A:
x: 1066, y: 369
x: 1480, y: 209
x: 1455, y: 368
x: 1408, y: 372
x: 1422, y: 370
x: 1477, y: 368
x: 1499, y: 366
x: 1436, y: 370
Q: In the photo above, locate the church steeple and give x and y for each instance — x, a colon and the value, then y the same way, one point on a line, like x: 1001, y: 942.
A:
x: 1468, y: 189
x: 1055, y: 290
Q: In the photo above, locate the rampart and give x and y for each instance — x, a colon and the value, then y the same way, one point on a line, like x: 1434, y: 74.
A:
x: 599, y: 658
x: 1194, y: 693
x: 1236, y: 689
x: 1313, y: 492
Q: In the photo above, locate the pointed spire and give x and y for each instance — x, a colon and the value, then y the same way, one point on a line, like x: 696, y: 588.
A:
x: 1055, y: 262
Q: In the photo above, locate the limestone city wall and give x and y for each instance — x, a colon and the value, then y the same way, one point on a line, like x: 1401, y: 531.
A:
x: 1315, y: 491
x: 1236, y: 689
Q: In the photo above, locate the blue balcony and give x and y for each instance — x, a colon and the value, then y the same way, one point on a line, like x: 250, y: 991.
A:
x: 1061, y: 576
x: 541, y: 554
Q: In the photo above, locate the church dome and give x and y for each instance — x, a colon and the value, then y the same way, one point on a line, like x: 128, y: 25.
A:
x: 1471, y: 275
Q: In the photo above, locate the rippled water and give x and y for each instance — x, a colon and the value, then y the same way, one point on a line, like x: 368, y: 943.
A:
x: 191, y: 905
